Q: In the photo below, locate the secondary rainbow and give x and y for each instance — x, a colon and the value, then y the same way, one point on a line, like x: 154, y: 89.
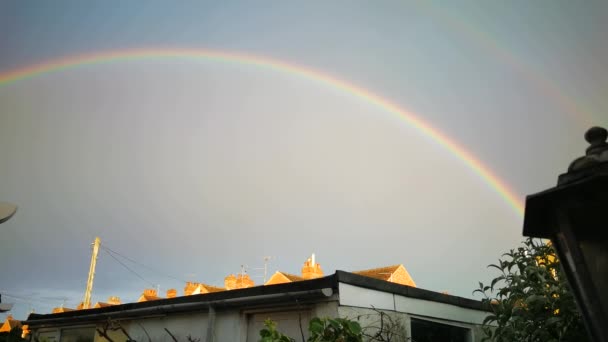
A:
x: 582, y: 115
x: 363, y: 94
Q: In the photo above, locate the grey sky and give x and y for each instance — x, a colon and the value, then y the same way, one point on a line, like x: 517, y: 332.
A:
x: 195, y: 168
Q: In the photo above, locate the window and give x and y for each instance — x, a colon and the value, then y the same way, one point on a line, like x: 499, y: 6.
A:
x: 78, y: 335
x: 48, y: 336
x: 427, y: 331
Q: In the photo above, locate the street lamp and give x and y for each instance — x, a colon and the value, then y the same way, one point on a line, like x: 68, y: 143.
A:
x: 574, y: 215
x: 7, y: 211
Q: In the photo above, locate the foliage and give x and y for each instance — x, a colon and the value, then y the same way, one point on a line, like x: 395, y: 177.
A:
x: 334, y: 330
x: 271, y: 334
x: 13, y: 336
x: 530, y: 299
x: 321, y: 330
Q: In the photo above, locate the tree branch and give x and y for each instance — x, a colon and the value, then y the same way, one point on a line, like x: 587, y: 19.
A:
x: 170, y: 334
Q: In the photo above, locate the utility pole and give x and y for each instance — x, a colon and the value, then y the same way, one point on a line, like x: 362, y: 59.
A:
x: 87, y: 293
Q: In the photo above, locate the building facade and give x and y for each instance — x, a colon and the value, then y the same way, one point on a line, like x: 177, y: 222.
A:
x: 239, y: 315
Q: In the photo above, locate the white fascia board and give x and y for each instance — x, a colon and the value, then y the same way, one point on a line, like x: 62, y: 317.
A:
x: 365, y: 298
x: 445, y: 311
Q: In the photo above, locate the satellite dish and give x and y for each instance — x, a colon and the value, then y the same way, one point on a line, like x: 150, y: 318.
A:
x: 7, y: 210
x: 4, y: 307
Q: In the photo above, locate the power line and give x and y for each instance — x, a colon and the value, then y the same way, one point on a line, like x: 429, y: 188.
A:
x: 30, y: 299
x: 128, y: 268
x: 107, y: 249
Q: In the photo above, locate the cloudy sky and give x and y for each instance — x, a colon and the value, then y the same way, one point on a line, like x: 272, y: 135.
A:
x: 192, y: 167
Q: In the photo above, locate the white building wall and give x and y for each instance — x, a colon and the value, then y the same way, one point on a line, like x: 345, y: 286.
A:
x: 326, y: 309
x: 364, y: 298
x: 369, y: 319
x: 439, y: 310
x: 194, y: 324
x: 359, y: 302
x: 351, y: 302
x: 229, y: 325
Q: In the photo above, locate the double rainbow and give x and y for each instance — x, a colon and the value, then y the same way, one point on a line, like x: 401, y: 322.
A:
x: 363, y: 94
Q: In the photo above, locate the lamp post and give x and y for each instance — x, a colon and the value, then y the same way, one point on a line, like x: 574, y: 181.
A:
x: 7, y: 211
x: 574, y: 215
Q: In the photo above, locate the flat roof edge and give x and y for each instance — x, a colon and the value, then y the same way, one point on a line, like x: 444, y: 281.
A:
x: 409, y: 291
x: 280, y: 293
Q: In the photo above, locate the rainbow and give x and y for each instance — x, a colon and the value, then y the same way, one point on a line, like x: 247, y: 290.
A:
x: 410, y: 118
x: 582, y: 115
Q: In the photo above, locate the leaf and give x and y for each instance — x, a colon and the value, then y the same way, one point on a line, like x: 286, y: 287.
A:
x: 335, y: 323
x: 533, y: 301
x: 552, y: 320
x: 315, y: 326
x: 495, y: 266
x: 494, y: 281
x: 354, y: 327
x: 489, y: 319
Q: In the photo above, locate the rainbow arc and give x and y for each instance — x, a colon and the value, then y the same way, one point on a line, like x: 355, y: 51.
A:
x: 452, y: 146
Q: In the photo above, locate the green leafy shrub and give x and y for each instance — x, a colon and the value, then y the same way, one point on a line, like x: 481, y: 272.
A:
x: 320, y: 329
x: 271, y: 334
x: 334, y: 330
x: 530, y: 299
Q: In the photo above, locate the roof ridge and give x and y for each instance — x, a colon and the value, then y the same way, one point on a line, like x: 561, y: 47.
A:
x: 289, y: 274
x: 378, y: 268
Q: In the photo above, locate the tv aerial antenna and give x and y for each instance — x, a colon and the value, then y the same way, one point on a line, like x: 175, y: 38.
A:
x: 266, y: 261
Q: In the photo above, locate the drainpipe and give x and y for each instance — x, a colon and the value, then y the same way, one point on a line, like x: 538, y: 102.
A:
x: 210, y: 324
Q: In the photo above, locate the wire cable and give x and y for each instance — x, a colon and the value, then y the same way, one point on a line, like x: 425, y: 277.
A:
x: 31, y: 299
x: 129, y: 269
x: 107, y: 249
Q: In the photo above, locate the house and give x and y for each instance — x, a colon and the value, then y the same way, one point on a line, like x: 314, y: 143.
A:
x: 310, y: 270
x: 282, y: 277
x: 200, y: 288
x: 9, y: 324
x: 148, y: 295
x: 112, y: 300
x: 239, y: 314
x: 394, y: 274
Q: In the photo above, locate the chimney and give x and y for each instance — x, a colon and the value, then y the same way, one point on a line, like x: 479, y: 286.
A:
x: 113, y: 300
x: 171, y: 293
x: 311, y: 269
x: 190, y: 287
x: 244, y: 281
x: 241, y: 281
x: 150, y: 292
x: 230, y: 282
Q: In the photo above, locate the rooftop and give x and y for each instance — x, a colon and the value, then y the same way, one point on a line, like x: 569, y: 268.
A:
x: 302, y: 291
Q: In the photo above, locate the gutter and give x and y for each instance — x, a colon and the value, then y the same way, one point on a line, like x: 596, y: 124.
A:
x: 182, y: 307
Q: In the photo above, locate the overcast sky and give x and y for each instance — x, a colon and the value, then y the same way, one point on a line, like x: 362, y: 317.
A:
x: 194, y: 168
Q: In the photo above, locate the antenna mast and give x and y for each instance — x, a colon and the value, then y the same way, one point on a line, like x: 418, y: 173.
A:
x: 266, y: 259
x: 87, y: 294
